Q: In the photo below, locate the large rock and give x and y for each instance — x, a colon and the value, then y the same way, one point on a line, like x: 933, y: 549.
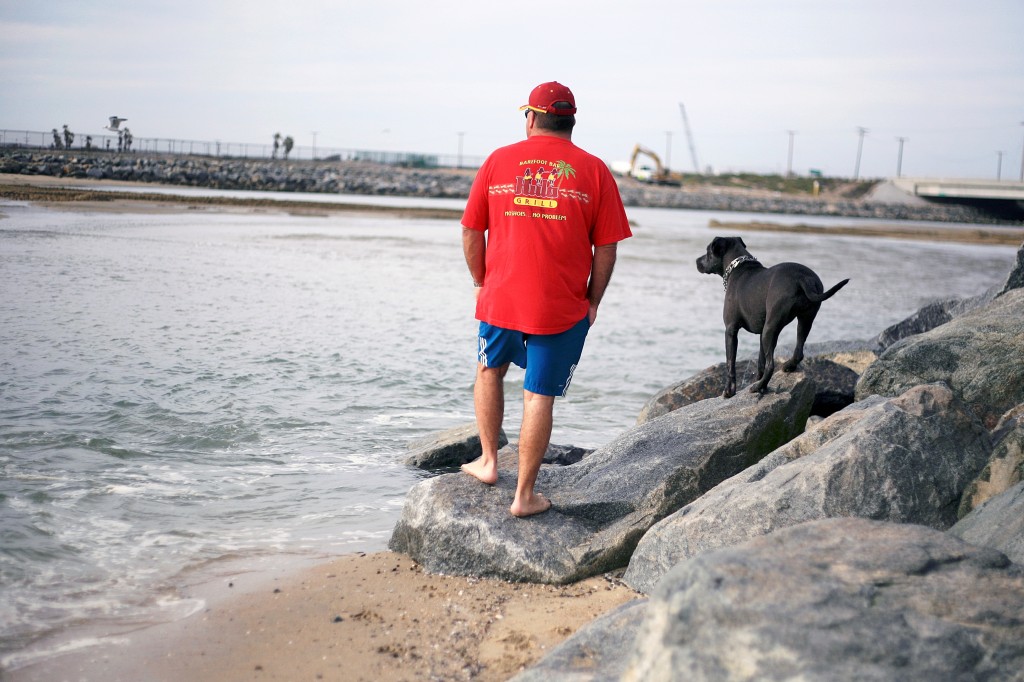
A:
x: 836, y: 599
x: 997, y: 523
x: 450, y: 448
x: 603, y: 504
x: 1014, y: 278
x: 831, y: 600
x: 834, y: 386
x: 938, y: 313
x: 906, y: 459
x: 980, y: 355
x: 1004, y: 469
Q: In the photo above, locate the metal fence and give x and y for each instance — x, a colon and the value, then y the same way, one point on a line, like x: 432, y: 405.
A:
x: 55, y: 140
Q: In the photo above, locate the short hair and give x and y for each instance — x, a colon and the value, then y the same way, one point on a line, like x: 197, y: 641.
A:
x: 555, y: 122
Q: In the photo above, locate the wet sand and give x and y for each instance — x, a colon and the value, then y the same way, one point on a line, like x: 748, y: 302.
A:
x: 366, y: 617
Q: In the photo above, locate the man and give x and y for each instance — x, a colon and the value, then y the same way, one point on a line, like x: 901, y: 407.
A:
x: 552, y: 217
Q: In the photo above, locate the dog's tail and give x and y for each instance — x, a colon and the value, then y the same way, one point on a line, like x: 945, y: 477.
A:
x: 818, y: 298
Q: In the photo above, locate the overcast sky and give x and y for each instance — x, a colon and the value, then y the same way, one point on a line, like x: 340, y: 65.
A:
x: 411, y: 76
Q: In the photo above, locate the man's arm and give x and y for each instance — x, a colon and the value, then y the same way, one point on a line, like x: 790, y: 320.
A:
x: 600, y: 275
x: 474, y: 246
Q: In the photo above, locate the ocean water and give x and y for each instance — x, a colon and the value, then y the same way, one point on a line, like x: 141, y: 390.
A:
x: 181, y: 389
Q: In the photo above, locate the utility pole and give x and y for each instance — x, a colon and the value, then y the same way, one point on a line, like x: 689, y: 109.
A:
x: 1022, y: 158
x: 899, y: 157
x: 789, y: 161
x: 458, y: 162
x: 860, y: 146
x: 999, y: 166
x: 668, y: 150
x: 314, y: 145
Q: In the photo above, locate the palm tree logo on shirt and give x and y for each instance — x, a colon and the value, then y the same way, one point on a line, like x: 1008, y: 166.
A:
x: 563, y: 170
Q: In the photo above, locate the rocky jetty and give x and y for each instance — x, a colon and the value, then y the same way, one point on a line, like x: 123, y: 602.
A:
x: 770, y: 550
x: 836, y: 599
x: 363, y: 177
x: 329, y: 177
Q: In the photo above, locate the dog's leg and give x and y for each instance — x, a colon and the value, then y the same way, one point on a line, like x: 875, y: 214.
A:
x: 803, y: 328
x: 731, y: 333
x: 769, y: 338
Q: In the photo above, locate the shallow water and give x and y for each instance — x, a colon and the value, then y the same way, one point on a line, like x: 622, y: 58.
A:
x: 179, y: 389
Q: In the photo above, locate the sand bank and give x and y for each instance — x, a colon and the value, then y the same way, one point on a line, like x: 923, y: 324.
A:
x: 366, y: 617
x: 85, y: 195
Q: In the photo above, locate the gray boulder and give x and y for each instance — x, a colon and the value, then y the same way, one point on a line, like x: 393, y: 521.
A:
x: 940, y: 312
x: 905, y: 459
x: 1015, y: 278
x: 831, y: 600
x: 450, y: 448
x: 928, y: 317
x: 1005, y: 469
x: 603, y: 504
x: 834, y: 386
x: 837, y: 599
x: 978, y: 354
x: 997, y: 523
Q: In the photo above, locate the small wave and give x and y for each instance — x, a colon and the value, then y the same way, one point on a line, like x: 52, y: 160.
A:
x: 23, y: 658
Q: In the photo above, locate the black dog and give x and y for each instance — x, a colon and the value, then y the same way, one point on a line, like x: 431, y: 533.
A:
x: 762, y: 301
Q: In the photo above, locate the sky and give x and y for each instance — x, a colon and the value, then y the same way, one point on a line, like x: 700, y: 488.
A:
x: 439, y: 77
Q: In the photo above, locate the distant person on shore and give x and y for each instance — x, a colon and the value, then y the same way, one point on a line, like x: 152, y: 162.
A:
x: 541, y: 255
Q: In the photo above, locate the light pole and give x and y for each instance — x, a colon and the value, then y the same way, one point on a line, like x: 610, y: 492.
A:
x: 458, y: 162
x: 789, y: 160
x: 668, y: 150
x: 1022, y: 158
x: 899, y: 157
x: 999, y: 166
x: 860, y: 146
x: 314, y: 145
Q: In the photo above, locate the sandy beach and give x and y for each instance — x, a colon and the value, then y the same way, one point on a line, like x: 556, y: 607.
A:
x: 375, y: 616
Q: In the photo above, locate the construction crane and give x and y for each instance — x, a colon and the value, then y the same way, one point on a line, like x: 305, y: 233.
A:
x: 689, y: 138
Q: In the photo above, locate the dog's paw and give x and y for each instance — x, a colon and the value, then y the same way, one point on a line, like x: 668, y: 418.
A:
x: 728, y: 393
x: 791, y: 366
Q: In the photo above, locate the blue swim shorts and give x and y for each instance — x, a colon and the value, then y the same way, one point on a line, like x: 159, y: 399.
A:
x: 549, y: 359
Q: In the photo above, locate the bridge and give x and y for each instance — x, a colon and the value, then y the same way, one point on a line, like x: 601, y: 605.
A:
x: 962, y: 190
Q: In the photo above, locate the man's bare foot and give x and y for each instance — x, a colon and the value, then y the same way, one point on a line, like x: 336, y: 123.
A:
x: 481, y: 470
x: 537, y: 504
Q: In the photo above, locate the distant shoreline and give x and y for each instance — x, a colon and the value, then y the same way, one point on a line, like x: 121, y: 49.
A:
x: 55, y: 193
x: 49, y: 193
x: 1002, y: 236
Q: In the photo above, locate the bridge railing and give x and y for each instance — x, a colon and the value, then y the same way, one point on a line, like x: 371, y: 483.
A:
x: 56, y: 141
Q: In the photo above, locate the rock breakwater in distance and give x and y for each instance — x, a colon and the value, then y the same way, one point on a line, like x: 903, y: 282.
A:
x: 360, y: 177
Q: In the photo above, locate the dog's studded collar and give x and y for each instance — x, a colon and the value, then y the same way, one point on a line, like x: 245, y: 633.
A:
x: 732, y: 266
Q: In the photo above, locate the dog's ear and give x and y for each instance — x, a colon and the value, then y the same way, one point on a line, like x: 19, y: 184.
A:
x: 719, y: 245
x: 740, y: 240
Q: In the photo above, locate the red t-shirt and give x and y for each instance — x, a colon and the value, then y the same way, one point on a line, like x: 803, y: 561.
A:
x: 545, y: 203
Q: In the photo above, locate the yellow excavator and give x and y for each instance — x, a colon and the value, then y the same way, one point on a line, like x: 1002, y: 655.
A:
x: 644, y: 173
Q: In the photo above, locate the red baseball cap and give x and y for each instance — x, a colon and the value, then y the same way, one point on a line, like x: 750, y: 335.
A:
x: 551, y: 98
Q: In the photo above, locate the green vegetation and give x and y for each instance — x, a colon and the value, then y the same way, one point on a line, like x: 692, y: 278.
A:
x: 779, y: 183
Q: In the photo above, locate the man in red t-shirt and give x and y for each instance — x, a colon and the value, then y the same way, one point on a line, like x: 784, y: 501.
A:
x: 540, y: 232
